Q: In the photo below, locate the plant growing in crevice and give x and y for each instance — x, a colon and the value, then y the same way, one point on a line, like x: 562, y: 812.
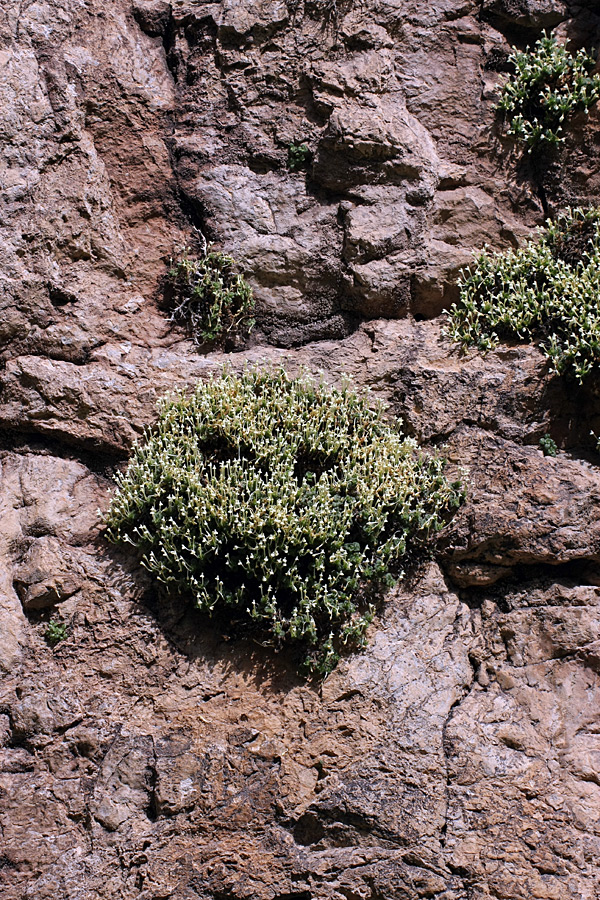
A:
x: 547, y: 292
x: 327, y: 11
x: 208, y: 296
x: 548, y: 445
x: 280, y: 503
x: 548, y: 86
x: 299, y: 157
x: 55, y: 632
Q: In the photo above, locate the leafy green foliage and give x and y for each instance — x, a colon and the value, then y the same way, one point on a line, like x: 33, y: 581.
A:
x: 55, y: 633
x: 209, y: 296
x: 549, y: 84
x: 547, y: 291
x: 548, y: 446
x: 299, y: 157
x: 280, y: 501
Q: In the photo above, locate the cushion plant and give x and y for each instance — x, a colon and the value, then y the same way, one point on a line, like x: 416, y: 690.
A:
x: 547, y: 291
x: 549, y: 84
x: 279, y: 501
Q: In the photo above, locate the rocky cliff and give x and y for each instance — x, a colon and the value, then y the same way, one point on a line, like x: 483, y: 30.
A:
x: 146, y: 756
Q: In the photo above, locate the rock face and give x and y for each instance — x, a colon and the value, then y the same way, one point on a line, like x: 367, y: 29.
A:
x: 146, y: 756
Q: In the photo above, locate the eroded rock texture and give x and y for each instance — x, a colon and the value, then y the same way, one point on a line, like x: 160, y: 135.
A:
x: 146, y: 756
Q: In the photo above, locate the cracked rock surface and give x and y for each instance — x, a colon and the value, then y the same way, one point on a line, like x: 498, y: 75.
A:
x: 146, y: 755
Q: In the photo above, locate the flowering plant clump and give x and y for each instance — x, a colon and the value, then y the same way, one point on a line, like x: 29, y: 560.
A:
x: 209, y: 296
x: 547, y: 291
x: 280, y: 501
x: 549, y: 84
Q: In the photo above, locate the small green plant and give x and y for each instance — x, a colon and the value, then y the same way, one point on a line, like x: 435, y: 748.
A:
x: 55, y: 633
x: 548, y: 86
x: 280, y: 503
x: 207, y: 295
x: 299, y: 157
x: 548, y: 446
x: 324, y: 10
x: 547, y: 291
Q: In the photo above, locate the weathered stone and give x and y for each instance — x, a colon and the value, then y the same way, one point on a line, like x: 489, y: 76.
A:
x: 123, y: 789
x: 49, y: 512
x: 47, y: 575
x: 377, y: 142
x: 541, y: 742
x: 152, y: 15
x: 434, y: 387
x: 524, y: 508
x: 533, y: 14
x: 146, y: 756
